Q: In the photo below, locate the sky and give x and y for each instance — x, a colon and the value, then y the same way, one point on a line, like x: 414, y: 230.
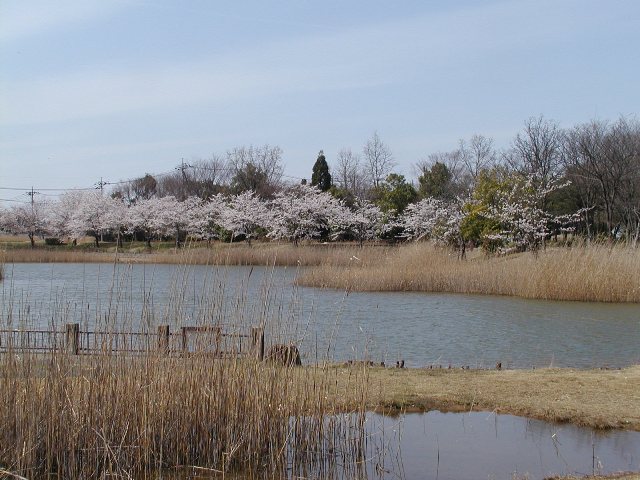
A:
x: 114, y: 89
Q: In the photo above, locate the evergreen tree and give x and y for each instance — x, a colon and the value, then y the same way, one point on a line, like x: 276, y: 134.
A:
x: 321, y: 177
x: 436, y: 182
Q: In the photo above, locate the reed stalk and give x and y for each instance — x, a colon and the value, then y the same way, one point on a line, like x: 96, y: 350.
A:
x: 92, y: 416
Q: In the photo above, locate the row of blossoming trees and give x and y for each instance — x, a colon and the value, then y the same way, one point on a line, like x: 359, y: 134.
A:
x: 514, y: 218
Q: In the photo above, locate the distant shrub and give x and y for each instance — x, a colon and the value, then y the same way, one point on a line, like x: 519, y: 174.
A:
x: 53, y: 241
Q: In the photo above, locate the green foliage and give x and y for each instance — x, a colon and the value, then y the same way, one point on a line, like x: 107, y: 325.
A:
x: 394, y: 194
x: 250, y: 178
x: 321, y: 177
x: 477, y: 224
x: 53, y: 241
x: 436, y: 182
x: 564, y: 201
x: 344, y: 194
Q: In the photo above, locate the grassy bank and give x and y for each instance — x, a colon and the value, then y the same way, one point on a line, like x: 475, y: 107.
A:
x: 593, y: 273
x: 592, y: 398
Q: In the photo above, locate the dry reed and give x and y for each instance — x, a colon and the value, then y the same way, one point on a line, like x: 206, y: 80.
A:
x: 94, y: 416
x: 586, y: 273
x: 217, y: 254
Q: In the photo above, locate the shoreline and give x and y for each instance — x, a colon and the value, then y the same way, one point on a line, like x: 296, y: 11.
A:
x: 586, y: 273
x: 599, y: 399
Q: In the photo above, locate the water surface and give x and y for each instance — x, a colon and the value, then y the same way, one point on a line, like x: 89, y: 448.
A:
x: 421, y: 328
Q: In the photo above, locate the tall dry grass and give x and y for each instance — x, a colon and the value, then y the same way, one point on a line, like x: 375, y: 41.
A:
x: 124, y: 417
x: 585, y: 273
x: 97, y: 416
x: 218, y: 254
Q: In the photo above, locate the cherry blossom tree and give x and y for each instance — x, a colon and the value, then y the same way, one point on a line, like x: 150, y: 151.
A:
x: 205, y: 218
x: 420, y: 219
x: 60, y: 213
x: 525, y: 225
x: 244, y: 215
x: 141, y: 218
x: 116, y: 217
x: 304, y: 212
x: 29, y: 219
x: 435, y: 219
x: 91, y: 216
x: 362, y: 222
x: 172, y: 217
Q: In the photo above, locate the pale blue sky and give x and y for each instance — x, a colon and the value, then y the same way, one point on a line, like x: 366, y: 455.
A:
x: 114, y: 89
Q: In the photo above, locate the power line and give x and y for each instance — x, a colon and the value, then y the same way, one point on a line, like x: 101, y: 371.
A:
x: 182, y: 167
x: 45, y: 189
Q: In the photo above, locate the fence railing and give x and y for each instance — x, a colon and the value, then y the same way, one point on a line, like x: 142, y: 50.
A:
x: 209, y: 340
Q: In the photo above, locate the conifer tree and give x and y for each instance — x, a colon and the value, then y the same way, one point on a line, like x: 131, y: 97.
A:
x: 321, y: 177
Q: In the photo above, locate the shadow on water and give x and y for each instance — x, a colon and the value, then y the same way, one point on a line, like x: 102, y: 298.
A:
x: 478, y: 445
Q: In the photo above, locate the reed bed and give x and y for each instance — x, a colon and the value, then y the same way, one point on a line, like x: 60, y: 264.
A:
x: 132, y: 417
x: 312, y: 254
x: 585, y: 273
x: 113, y: 415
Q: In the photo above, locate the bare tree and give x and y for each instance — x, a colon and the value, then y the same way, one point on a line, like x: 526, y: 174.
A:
x: 142, y: 188
x: 606, y: 156
x: 378, y: 160
x: 256, y: 168
x: 476, y: 155
x: 208, y: 177
x: 348, y: 172
x: 538, y: 150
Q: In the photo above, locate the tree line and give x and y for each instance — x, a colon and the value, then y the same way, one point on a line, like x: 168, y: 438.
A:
x: 550, y: 181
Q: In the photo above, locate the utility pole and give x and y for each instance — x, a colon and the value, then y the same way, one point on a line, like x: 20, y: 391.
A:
x: 185, y: 180
x: 183, y: 167
x: 100, y: 185
x: 32, y: 193
x: 32, y: 232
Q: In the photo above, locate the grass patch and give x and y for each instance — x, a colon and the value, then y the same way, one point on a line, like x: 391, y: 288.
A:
x: 592, y: 398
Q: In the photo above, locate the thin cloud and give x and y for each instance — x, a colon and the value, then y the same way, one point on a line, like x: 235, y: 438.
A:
x: 396, y: 52
x: 22, y: 19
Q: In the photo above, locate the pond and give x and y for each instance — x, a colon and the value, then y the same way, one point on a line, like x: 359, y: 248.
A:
x: 420, y: 328
x: 478, y: 445
x: 483, y: 445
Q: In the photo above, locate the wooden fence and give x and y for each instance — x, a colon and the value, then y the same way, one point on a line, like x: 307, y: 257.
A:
x: 210, y: 340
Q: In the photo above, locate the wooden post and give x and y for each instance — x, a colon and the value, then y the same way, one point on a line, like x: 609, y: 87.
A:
x: 163, y: 339
x: 218, y: 340
x: 185, y: 345
x: 72, y: 337
x: 257, y: 342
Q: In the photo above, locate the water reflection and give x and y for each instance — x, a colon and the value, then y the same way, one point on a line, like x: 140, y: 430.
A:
x: 423, y: 329
x: 481, y: 445
x: 478, y: 445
